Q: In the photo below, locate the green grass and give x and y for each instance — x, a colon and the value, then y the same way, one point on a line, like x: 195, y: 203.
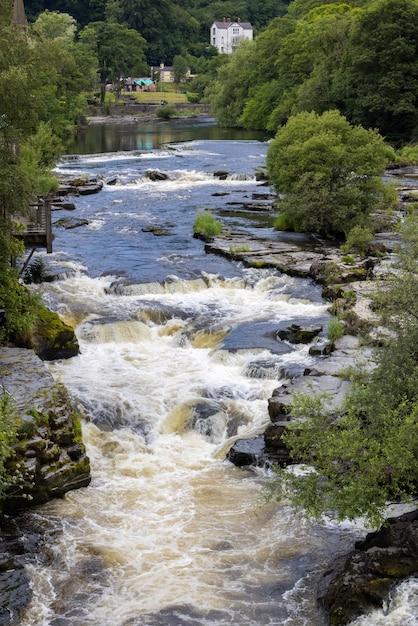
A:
x: 155, y: 97
x: 336, y: 329
x: 206, y: 224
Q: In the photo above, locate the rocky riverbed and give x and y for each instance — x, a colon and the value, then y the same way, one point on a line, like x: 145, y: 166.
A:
x: 54, y: 450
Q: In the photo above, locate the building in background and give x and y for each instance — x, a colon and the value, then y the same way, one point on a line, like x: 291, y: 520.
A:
x: 227, y: 35
x: 19, y: 15
x: 166, y: 73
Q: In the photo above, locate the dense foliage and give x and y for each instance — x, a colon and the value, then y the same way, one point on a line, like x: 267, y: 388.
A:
x: 8, y: 437
x: 358, y: 57
x: 359, y: 460
x: 42, y: 74
x: 169, y: 27
x: 327, y: 172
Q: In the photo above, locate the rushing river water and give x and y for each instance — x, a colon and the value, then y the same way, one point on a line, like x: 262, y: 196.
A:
x: 176, y: 363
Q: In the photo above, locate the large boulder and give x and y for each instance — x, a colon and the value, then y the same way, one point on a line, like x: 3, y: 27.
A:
x: 360, y: 581
x: 264, y: 450
x: 295, y: 333
x: 53, y: 338
x: 49, y: 453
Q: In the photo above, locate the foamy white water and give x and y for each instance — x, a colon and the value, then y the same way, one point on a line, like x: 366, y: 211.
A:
x: 400, y: 610
x: 169, y: 532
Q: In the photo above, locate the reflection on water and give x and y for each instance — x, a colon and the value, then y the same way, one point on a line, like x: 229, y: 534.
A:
x: 151, y: 135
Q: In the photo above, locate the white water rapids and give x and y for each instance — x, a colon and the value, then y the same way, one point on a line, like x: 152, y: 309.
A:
x: 169, y: 532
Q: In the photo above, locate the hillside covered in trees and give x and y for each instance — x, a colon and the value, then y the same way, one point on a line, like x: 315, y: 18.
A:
x: 358, y: 57
x: 170, y: 28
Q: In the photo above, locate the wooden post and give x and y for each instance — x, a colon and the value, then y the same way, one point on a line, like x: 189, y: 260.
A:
x: 48, y: 226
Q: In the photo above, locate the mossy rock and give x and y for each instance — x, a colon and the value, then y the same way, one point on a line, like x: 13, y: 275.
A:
x: 52, y: 338
x: 53, y: 460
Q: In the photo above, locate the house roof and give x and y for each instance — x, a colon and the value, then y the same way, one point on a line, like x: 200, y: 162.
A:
x: 226, y: 25
x: 166, y: 68
x: 138, y: 81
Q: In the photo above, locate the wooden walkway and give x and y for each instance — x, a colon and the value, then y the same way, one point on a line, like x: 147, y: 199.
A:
x: 37, y: 226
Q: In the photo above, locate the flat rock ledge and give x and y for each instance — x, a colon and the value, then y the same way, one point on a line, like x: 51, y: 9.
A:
x: 52, y: 460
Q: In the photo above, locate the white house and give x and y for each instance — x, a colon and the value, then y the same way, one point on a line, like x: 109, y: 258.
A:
x: 227, y: 35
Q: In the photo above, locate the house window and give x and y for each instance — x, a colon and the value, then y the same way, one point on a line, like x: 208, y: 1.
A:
x: 214, y: 31
x: 214, y: 41
x: 235, y: 31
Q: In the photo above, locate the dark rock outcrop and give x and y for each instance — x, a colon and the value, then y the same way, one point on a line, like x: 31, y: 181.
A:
x: 51, y: 338
x: 91, y: 188
x: 221, y: 174
x: 361, y: 581
x: 70, y: 222
x: 79, y: 187
x: 50, y: 450
x: 158, y: 231
x: 295, y: 333
x: 50, y: 458
x: 61, y: 205
x: 15, y: 590
x: 264, y: 450
x: 155, y: 175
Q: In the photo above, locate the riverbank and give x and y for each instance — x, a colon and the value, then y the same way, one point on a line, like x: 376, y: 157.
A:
x: 135, y: 113
x: 362, y: 580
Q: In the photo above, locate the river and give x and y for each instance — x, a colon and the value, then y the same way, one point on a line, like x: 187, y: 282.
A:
x: 176, y: 363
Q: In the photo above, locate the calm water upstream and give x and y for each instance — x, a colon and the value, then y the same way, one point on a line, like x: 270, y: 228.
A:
x: 175, y: 365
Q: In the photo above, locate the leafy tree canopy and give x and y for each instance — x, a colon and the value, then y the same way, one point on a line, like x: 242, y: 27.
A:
x: 228, y: 102
x: 170, y: 27
x: 327, y: 172
x: 378, y: 83
x: 120, y: 51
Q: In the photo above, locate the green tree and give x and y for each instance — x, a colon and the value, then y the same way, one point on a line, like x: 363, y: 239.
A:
x: 120, y: 52
x: 180, y: 70
x: 52, y: 25
x: 65, y: 68
x: 269, y: 84
x: 327, y: 173
x: 377, y: 85
x: 298, y: 60
x: 228, y: 93
x: 32, y: 114
x: 8, y: 438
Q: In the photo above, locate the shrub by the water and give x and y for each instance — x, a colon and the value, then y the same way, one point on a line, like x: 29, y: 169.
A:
x: 8, y: 437
x: 36, y: 272
x: 206, y: 224
x: 358, y: 239
x: 166, y: 111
